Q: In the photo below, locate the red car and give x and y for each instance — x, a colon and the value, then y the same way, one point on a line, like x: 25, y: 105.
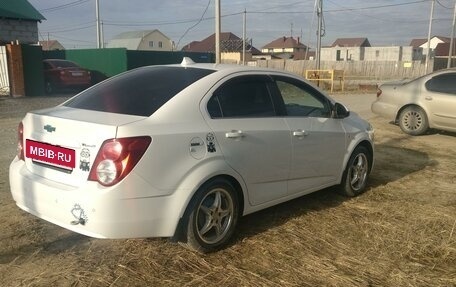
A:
x: 61, y: 74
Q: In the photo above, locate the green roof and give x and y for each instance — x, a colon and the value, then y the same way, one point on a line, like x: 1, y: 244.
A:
x: 19, y: 9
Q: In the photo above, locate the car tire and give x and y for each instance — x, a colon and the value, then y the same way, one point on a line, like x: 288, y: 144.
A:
x: 413, y: 121
x: 48, y: 88
x: 356, y: 172
x: 213, y: 216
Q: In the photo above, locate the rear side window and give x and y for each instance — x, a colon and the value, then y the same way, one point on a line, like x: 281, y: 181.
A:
x: 246, y: 96
x: 445, y: 83
x: 139, y: 92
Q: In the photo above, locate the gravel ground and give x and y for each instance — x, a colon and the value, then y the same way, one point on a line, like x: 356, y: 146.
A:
x: 401, y: 232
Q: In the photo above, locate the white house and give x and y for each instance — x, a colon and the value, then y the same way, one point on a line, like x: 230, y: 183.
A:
x: 146, y: 40
x: 422, y: 43
x: 286, y: 48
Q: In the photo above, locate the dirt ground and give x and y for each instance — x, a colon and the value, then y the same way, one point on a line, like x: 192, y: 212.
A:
x: 401, y: 232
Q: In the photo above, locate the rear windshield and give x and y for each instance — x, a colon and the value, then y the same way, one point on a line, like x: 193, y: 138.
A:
x: 139, y: 92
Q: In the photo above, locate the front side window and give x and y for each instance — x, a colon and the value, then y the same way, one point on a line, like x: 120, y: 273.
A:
x: 242, y: 97
x: 301, y: 100
x: 445, y: 83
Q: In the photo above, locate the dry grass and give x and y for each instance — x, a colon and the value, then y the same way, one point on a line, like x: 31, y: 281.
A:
x: 401, y: 232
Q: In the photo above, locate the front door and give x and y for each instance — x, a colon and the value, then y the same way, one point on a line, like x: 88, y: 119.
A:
x: 318, y: 141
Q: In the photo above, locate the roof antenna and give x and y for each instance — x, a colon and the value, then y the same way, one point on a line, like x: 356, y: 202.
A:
x: 187, y: 61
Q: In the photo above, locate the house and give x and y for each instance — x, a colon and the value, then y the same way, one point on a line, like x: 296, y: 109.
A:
x: 286, y: 48
x: 146, y: 40
x: 50, y: 45
x: 230, y: 47
x: 345, y: 49
x: 19, y: 22
x: 442, y: 50
x: 422, y: 43
x: 392, y: 53
x: 351, y: 42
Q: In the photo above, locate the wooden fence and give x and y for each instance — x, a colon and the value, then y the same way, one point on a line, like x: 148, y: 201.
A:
x: 355, y: 71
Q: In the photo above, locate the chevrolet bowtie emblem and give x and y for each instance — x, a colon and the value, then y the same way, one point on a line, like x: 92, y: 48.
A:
x: 49, y: 128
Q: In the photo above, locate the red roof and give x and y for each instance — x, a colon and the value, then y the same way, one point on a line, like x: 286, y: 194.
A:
x: 285, y: 42
x: 443, y: 49
x: 415, y: 43
x: 228, y: 43
x: 351, y: 42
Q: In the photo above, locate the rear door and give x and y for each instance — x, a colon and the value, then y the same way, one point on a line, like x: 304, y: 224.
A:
x: 440, y: 97
x: 253, y: 139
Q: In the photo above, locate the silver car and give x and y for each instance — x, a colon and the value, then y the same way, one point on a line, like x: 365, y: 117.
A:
x: 417, y: 105
x: 184, y: 151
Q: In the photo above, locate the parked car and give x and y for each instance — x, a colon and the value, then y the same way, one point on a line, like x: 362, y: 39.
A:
x: 184, y: 150
x: 63, y: 74
x: 417, y: 105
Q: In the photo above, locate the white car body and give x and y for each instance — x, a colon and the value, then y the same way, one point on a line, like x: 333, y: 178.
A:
x: 268, y: 159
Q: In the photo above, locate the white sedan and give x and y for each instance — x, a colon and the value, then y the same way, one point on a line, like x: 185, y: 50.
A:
x: 184, y: 150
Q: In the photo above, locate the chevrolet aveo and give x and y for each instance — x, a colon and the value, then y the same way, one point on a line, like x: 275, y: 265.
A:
x: 184, y: 151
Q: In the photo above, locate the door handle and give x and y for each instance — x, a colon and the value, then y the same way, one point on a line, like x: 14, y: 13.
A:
x: 300, y: 133
x: 234, y: 134
x: 428, y: 98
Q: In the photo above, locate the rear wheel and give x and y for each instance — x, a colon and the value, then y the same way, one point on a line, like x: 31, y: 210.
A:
x: 355, y: 175
x: 213, y: 216
x: 413, y: 121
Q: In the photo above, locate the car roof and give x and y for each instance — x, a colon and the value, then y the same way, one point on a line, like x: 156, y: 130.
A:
x: 230, y: 68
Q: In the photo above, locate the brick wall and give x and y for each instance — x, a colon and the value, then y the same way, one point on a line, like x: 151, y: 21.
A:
x: 26, y: 32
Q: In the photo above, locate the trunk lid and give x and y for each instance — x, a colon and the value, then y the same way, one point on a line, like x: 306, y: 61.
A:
x: 61, y: 143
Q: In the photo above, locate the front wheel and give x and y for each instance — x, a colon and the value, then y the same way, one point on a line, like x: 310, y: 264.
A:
x: 413, y: 121
x: 213, y: 216
x: 355, y: 175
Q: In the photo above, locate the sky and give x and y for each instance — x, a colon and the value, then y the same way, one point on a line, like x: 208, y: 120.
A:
x: 383, y: 22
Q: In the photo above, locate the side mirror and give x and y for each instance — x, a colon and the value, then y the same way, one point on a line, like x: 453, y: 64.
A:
x: 340, y: 111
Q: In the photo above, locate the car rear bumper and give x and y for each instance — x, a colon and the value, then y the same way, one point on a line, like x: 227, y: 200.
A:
x: 91, y: 210
x: 385, y: 110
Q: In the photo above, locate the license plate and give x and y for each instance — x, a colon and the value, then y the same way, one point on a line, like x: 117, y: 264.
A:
x: 51, y: 154
x: 76, y: 74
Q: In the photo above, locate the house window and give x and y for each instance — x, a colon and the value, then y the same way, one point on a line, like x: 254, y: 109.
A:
x: 160, y: 44
x: 377, y: 53
x: 151, y: 44
x: 338, y: 57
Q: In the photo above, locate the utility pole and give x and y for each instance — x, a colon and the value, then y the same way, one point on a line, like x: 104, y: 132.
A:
x: 450, y: 52
x: 428, y: 55
x: 217, y: 32
x: 319, y: 32
x: 97, y: 11
x: 244, y: 28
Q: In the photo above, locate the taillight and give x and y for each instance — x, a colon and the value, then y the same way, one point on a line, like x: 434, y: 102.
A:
x: 20, y: 141
x: 379, y: 92
x: 116, y: 158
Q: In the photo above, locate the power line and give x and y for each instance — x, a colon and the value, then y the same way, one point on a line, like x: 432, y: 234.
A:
x: 196, y: 24
x: 440, y: 4
x: 63, y: 6
x: 70, y: 29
